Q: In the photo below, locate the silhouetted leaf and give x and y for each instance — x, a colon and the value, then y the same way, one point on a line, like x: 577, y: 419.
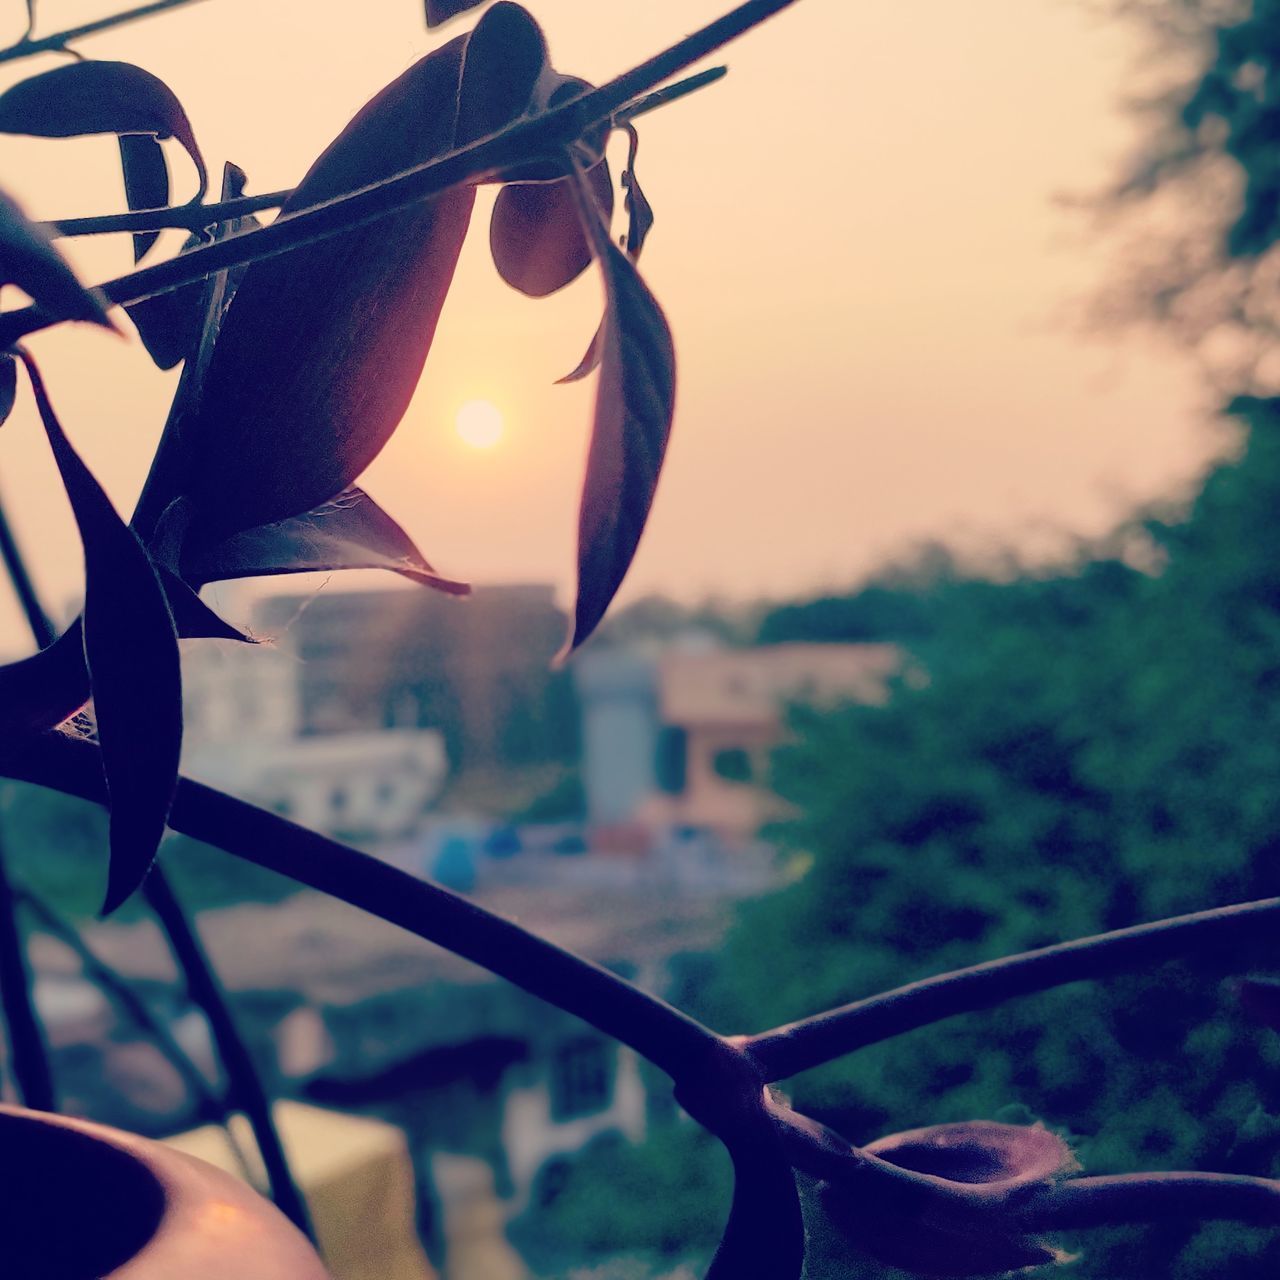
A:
x: 192, y: 618
x: 172, y: 324
x: 536, y: 237
x: 98, y: 97
x: 322, y: 347
x: 590, y: 361
x: 639, y: 210
x: 349, y: 532
x: 634, y: 407
x: 8, y: 387
x: 29, y: 260
x: 41, y: 691
x: 146, y: 182
x: 973, y: 1152
x: 440, y: 11
x: 639, y: 224
x: 131, y: 648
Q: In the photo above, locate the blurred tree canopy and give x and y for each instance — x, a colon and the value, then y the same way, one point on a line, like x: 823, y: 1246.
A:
x: 1089, y: 748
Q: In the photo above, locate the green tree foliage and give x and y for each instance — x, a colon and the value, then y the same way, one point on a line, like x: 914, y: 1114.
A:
x: 1089, y: 751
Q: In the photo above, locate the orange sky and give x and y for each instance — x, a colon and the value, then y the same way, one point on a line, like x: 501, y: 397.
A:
x: 857, y: 245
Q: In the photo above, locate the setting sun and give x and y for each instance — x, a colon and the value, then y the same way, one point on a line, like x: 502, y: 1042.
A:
x: 479, y: 424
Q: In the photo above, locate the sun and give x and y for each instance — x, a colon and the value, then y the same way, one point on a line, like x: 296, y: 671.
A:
x: 479, y: 424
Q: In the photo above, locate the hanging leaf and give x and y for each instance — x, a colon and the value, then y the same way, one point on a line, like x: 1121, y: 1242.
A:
x: 590, y: 361
x: 99, y: 97
x: 634, y: 406
x: 440, y: 11
x: 29, y: 260
x: 349, y: 532
x: 131, y: 648
x: 8, y: 387
x: 639, y: 210
x: 171, y: 324
x: 40, y: 692
x: 146, y: 182
x: 536, y: 237
x: 639, y: 224
x: 322, y: 348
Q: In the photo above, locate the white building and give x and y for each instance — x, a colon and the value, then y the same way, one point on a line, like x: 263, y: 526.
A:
x: 243, y: 712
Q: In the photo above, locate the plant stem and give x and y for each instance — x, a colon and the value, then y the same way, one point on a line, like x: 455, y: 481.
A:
x: 810, y: 1042
x: 197, y: 217
x: 678, y: 1044
x: 544, y: 136
x: 27, y: 47
x: 126, y: 999
x: 246, y: 1091
x: 187, y: 217
x: 37, y: 619
x: 1155, y: 1197
x: 134, y: 1007
x: 28, y: 1050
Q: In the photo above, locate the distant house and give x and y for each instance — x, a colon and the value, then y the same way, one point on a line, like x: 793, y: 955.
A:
x: 494, y: 1090
x: 476, y: 670
x: 682, y: 738
x: 243, y: 712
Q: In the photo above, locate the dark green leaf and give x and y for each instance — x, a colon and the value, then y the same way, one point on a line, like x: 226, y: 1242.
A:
x: 41, y: 691
x: 98, y: 97
x: 192, y: 618
x: 8, y: 387
x: 639, y: 210
x: 29, y: 260
x: 349, y: 532
x: 639, y: 223
x: 172, y: 324
x: 146, y: 182
x: 634, y: 407
x: 322, y: 348
x: 590, y: 361
x: 131, y: 648
x: 440, y: 11
x: 536, y: 237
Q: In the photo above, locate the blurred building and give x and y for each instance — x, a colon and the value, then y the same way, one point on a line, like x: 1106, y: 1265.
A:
x: 243, y: 711
x: 494, y: 1090
x: 682, y: 737
x: 477, y: 670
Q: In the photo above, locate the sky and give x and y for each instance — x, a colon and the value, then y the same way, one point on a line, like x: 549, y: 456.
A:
x: 874, y: 282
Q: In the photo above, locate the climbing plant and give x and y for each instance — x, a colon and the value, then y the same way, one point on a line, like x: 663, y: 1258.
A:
x: 301, y: 343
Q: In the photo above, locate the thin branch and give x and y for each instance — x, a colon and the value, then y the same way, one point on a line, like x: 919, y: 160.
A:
x: 675, y: 1042
x: 132, y: 1006
x: 125, y: 997
x: 27, y: 47
x: 246, y: 1090
x: 1155, y: 1197
x: 544, y: 136
x: 28, y: 1050
x: 185, y: 217
x: 672, y: 93
x: 24, y: 588
x: 198, y: 217
x: 810, y: 1042
x: 764, y: 1235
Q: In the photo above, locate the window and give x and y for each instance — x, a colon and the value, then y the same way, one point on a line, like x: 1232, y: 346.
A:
x: 733, y: 764
x: 581, y: 1078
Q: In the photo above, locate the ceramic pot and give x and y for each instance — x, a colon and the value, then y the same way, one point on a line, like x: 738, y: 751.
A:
x: 79, y: 1201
